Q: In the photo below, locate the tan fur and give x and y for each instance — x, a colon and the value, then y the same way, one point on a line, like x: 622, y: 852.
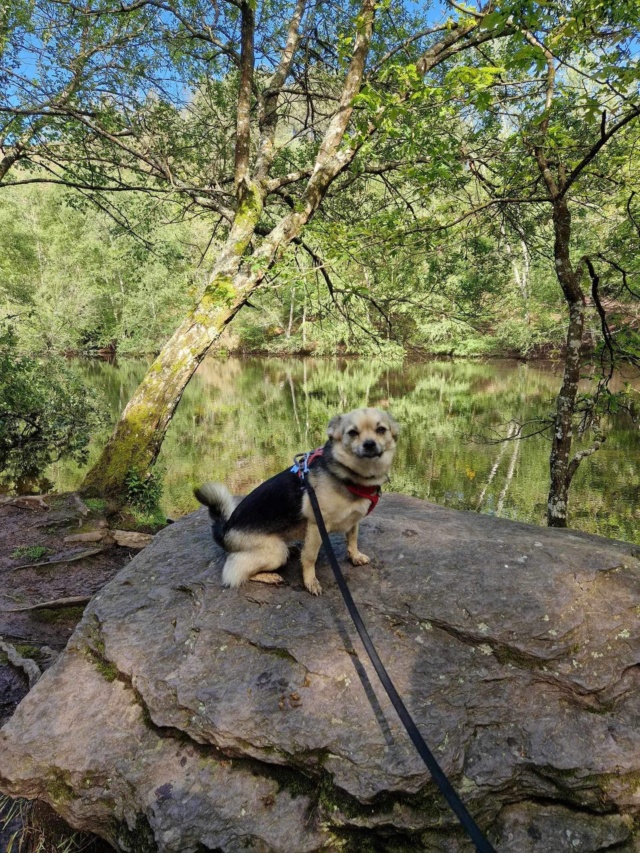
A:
x: 340, y: 511
x: 253, y: 554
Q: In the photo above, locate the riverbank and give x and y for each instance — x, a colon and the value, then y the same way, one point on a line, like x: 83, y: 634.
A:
x: 231, y: 347
x: 56, y: 552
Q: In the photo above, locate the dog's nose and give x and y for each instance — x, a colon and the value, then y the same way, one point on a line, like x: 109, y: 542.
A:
x: 369, y: 444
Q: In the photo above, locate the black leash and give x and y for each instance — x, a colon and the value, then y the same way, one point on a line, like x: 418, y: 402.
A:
x: 446, y: 788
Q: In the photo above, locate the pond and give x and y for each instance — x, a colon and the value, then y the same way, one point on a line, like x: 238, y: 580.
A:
x: 242, y: 420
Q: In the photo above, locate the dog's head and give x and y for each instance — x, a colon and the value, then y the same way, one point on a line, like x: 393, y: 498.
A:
x: 364, y: 440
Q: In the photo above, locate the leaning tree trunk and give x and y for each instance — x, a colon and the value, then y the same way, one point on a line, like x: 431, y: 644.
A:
x: 561, y: 469
x: 138, y: 436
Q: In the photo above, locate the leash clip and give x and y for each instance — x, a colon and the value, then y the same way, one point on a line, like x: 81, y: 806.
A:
x: 301, y: 464
x: 302, y: 461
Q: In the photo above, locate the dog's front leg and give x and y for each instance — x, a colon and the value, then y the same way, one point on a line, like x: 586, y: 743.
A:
x: 308, y: 558
x: 356, y: 557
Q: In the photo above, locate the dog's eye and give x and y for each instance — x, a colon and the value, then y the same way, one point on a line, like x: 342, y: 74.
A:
x: 381, y: 430
x: 353, y: 433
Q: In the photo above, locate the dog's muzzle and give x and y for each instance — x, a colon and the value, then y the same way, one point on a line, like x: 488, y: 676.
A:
x: 369, y: 450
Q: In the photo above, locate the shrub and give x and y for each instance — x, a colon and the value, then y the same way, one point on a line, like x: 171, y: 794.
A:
x: 144, y: 492
x: 46, y: 413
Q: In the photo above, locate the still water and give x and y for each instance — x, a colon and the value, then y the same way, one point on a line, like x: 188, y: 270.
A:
x: 242, y: 420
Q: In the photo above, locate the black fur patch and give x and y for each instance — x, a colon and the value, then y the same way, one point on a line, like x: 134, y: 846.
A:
x: 272, y: 507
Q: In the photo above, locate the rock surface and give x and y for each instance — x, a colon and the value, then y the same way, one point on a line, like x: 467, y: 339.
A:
x: 187, y: 718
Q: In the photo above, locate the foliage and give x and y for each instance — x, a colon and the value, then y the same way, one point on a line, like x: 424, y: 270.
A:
x: 78, y: 281
x: 32, y: 552
x: 143, y: 492
x: 46, y: 413
x: 372, y: 178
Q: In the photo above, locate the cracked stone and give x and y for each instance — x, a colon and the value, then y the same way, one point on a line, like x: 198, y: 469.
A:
x: 205, y: 718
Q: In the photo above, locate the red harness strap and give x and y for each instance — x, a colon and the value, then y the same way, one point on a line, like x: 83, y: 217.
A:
x: 319, y: 451
x: 372, y: 493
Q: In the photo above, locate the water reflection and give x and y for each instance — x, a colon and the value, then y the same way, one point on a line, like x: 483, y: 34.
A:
x: 241, y: 420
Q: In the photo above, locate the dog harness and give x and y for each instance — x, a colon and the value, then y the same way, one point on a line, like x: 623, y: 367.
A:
x: 303, y: 461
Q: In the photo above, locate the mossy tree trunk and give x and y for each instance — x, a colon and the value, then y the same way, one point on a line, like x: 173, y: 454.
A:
x: 561, y: 468
x: 553, y: 173
x: 138, y: 435
x: 137, y: 438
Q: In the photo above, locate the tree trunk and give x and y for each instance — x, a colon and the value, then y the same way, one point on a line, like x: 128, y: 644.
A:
x: 290, y: 326
x: 137, y: 438
x: 7, y: 162
x: 520, y: 275
x: 560, y: 469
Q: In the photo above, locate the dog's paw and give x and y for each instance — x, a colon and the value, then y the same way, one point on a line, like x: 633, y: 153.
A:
x: 359, y: 559
x: 267, y: 577
x: 313, y: 587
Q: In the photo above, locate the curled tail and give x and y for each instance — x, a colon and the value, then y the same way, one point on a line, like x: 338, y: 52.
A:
x: 221, y: 504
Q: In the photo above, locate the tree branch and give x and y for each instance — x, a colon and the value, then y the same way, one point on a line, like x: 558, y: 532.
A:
x: 597, y: 147
x: 243, y: 123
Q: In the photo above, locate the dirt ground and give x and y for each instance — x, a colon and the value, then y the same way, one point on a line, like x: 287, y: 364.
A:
x: 38, y: 567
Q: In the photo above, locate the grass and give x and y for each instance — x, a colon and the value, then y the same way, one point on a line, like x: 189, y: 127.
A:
x: 141, y: 520
x: 155, y: 519
x: 38, y: 829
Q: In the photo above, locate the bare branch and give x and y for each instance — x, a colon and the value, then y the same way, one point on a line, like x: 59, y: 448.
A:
x: 269, y: 108
x: 243, y: 124
x: 575, y: 173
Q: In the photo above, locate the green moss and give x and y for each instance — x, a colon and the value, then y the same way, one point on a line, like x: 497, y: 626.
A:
x: 219, y: 291
x: 132, y: 447
x: 59, y: 788
x: 95, y: 651
x: 106, y: 669
x: 246, y: 218
x: 29, y: 651
x: 32, y: 552
x: 62, y: 614
x: 96, y: 505
x: 629, y: 781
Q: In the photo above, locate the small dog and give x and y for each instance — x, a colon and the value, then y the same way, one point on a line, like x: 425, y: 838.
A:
x: 346, y: 473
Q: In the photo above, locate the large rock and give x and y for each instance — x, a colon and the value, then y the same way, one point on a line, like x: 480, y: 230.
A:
x: 186, y: 718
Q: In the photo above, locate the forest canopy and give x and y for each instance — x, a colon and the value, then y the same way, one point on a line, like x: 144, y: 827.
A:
x: 316, y: 177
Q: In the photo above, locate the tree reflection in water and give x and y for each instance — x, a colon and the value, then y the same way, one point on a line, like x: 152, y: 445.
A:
x: 242, y: 420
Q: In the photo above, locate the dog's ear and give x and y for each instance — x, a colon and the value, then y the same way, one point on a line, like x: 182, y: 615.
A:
x: 394, y: 426
x: 334, y: 430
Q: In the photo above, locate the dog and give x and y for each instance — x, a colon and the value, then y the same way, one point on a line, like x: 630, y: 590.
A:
x: 346, y: 473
